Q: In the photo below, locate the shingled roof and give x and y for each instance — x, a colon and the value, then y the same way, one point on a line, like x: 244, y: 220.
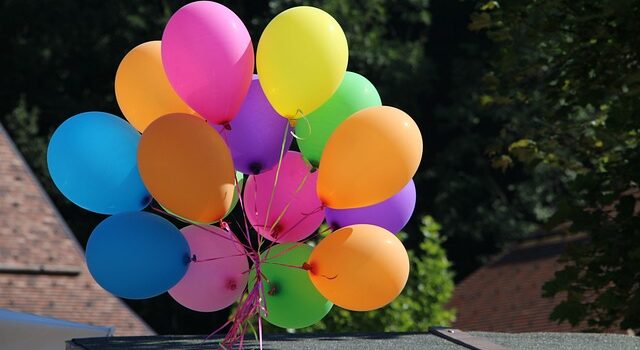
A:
x: 42, y: 268
x: 506, y: 294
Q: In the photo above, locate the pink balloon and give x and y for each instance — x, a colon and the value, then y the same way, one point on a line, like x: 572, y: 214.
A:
x: 297, y: 203
x: 208, y: 57
x: 215, y: 284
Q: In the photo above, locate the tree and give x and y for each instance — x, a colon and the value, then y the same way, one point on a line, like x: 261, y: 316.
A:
x: 567, y: 75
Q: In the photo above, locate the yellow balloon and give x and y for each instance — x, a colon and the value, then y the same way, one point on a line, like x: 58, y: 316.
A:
x: 142, y: 89
x: 301, y: 60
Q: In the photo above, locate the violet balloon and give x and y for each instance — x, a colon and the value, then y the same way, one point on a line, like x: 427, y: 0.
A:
x: 391, y: 214
x: 256, y: 134
x: 208, y: 57
x: 295, y: 211
x: 219, y: 275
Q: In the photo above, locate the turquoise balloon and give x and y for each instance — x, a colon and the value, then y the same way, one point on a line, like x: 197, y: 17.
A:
x: 92, y: 159
x: 137, y: 255
x: 291, y: 299
x: 354, y: 94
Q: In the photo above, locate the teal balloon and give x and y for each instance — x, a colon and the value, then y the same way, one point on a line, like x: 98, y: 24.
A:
x: 92, y: 159
x: 354, y: 94
x: 137, y: 255
x: 291, y: 299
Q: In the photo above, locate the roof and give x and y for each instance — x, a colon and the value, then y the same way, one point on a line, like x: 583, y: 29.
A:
x: 42, y: 268
x: 395, y: 341
x: 506, y: 294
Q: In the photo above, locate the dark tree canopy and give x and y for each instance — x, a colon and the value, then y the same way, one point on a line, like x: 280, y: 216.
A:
x: 566, y: 73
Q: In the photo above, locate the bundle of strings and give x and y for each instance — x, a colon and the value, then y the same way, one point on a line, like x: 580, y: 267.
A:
x: 253, y: 302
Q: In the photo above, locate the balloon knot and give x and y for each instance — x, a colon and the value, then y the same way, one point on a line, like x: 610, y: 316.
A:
x: 231, y: 284
x: 308, y: 267
x: 194, y: 258
x: 227, y: 126
x: 255, y: 168
x: 225, y: 226
x: 273, y: 289
x: 293, y: 122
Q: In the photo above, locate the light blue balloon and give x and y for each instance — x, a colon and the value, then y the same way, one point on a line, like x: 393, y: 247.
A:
x: 92, y: 159
x: 137, y: 255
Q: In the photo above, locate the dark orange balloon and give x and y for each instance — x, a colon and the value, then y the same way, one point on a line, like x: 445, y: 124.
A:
x: 187, y: 167
x: 370, y: 157
x: 359, y: 267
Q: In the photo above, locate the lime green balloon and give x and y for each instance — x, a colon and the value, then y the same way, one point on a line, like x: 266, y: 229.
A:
x: 234, y: 201
x: 354, y: 94
x: 291, y: 299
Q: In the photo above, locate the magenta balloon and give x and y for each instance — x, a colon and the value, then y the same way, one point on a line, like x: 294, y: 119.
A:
x: 257, y: 133
x: 215, y: 284
x: 391, y: 214
x: 304, y: 213
x: 208, y: 57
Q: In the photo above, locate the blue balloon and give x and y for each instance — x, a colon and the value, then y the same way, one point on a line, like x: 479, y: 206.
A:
x: 92, y: 159
x: 137, y: 255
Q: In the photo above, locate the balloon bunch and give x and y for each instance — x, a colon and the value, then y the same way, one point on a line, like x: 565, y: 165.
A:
x: 206, y: 121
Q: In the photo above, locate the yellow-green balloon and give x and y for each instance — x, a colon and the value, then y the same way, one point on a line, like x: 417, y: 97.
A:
x: 291, y: 299
x: 354, y: 94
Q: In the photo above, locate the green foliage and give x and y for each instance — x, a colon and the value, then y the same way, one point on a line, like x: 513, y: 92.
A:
x: 566, y: 72
x: 24, y: 122
x: 422, y: 302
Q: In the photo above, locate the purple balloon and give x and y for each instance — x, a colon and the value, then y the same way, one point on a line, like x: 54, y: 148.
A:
x: 391, y: 214
x: 256, y: 134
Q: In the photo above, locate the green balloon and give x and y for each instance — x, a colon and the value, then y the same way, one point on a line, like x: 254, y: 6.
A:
x: 291, y: 299
x: 355, y: 93
x: 238, y: 189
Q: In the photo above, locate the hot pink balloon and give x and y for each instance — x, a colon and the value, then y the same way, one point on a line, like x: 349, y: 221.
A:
x: 220, y: 275
x: 295, y: 201
x: 208, y: 57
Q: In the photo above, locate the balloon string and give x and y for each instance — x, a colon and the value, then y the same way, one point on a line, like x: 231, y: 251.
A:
x: 195, y: 259
x: 304, y: 217
x: 296, y: 244
x: 304, y: 179
x: 286, y: 207
x: 255, y: 196
x: 246, y: 223
x: 284, y: 210
x: 287, y: 265
x: 304, y: 267
x: 260, y: 330
x: 232, y: 238
x: 275, y: 181
x: 248, y: 308
x: 303, y: 117
x: 204, y: 227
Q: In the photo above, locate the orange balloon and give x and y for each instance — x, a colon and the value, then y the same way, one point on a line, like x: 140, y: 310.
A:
x: 187, y: 167
x: 359, y: 267
x: 370, y: 157
x: 142, y: 89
